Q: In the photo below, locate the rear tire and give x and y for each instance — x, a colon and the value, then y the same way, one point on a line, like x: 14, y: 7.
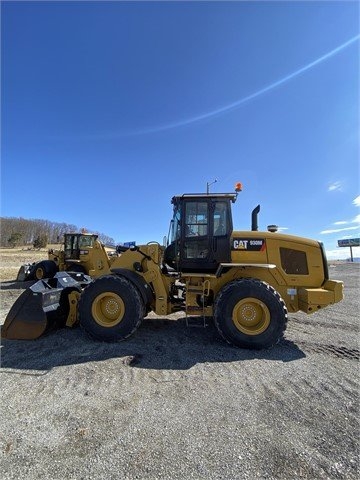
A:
x: 250, y: 313
x: 44, y: 269
x: 110, y: 309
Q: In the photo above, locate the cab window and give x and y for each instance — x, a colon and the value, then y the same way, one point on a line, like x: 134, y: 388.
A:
x: 196, y: 219
x: 86, y: 241
x: 220, y: 222
x: 175, y: 226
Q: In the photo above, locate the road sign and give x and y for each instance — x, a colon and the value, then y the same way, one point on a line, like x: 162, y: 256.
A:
x: 349, y: 242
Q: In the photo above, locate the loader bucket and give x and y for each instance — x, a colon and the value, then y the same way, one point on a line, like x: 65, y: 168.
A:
x: 42, y: 306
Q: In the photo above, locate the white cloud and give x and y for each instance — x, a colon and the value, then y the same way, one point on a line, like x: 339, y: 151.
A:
x: 355, y: 220
x: 356, y: 201
x: 335, y: 186
x: 343, y: 222
x: 336, y: 230
x: 347, y: 236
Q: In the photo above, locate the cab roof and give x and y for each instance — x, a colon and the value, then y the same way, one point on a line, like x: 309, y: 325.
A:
x: 205, y: 196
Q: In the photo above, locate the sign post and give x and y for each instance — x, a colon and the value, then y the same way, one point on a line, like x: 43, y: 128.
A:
x: 349, y: 242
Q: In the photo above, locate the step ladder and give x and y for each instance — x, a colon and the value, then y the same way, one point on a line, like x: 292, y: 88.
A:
x: 198, y: 311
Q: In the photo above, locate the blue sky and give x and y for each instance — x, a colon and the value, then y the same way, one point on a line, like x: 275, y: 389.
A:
x: 111, y: 108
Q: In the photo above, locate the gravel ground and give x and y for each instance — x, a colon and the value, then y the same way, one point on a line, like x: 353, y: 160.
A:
x: 178, y: 403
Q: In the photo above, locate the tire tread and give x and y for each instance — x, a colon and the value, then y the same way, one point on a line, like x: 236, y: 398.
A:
x: 253, y: 284
x: 91, y: 290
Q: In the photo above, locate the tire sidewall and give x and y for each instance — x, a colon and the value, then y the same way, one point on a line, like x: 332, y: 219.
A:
x: 249, y: 288
x: 48, y: 267
x: 134, y: 308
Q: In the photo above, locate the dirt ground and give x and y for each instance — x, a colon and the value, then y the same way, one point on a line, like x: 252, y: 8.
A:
x: 176, y: 402
x: 12, y: 258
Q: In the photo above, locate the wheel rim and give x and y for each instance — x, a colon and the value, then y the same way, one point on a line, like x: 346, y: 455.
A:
x: 251, y: 316
x: 39, y: 273
x: 108, y: 309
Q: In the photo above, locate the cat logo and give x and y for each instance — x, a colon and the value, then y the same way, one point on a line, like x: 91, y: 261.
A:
x: 249, y: 244
x: 241, y: 244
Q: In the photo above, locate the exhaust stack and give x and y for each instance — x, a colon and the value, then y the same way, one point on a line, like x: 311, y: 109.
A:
x: 254, y: 219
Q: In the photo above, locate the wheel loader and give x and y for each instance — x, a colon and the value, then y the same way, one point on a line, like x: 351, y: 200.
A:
x: 247, y: 281
x: 80, y: 252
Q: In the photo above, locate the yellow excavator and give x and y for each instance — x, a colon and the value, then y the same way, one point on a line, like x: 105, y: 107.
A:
x: 247, y: 281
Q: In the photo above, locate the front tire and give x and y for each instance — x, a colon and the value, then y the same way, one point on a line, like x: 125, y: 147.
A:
x: 44, y: 269
x: 250, y: 313
x: 110, y: 308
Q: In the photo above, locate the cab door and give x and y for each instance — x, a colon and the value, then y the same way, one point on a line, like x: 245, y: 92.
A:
x: 72, y: 250
x: 195, y: 242
x: 205, y: 239
x: 221, y: 229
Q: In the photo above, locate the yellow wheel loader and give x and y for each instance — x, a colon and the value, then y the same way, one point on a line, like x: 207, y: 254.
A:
x: 81, y: 252
x: 247, y: 281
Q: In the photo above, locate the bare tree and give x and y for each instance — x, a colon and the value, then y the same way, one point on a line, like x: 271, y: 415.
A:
x: 24, y: 231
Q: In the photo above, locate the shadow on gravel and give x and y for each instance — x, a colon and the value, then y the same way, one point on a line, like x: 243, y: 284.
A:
x: 160, y: 344
x: 14, y: 285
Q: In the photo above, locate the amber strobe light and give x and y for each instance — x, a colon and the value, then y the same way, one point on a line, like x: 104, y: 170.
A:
x: 238, y: 187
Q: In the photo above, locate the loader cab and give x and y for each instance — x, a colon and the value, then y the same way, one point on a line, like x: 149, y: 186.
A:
x: 77, y: 243
x: 200, y: 231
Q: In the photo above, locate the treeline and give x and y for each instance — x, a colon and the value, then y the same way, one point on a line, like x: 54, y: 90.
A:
x: 21, y: 231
